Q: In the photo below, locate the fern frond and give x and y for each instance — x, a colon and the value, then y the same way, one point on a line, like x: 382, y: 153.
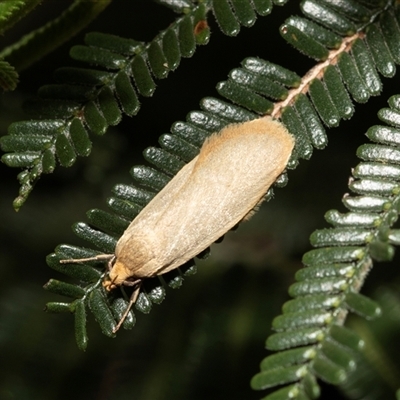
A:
x: 179, y: 6
x: 310, y: 331
x: 12, y: 11
x: 8, y: 76
x: 89, y: 100
x: 253, y: 87
x: 177, y: 148
x: 376, y: 375
x: 36, y: 44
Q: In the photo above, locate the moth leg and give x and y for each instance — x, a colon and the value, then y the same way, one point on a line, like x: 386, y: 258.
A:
x: 99, y: 257
x: 110, y: 263
x: 132, y: 301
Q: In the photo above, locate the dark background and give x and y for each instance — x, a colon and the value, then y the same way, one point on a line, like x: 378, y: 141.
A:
x: 206, y: 340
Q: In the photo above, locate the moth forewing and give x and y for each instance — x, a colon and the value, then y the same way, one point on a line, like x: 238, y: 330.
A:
x: 209, y: 196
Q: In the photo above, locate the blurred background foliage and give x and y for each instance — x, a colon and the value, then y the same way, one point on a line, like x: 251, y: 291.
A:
x: 206, y: 340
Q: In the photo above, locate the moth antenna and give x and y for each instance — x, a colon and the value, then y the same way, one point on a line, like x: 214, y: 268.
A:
x: 99, y: 257
x: 132, y: 301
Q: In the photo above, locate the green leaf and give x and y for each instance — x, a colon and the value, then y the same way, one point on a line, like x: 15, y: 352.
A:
x: 226, y: 18
x: 324, y: 104
x: 102, y: 312
x: 35, y: 45
x: 11, y: 11
x: 288, y: 357
x: 300, y: 337
x: 118, y: 308
x: 65, y: 289
x: 80, y: 325
x: 303, y: 42
x: 8, y: 76
x: 277, y: 376
x: 346, y: 337
x: 327, y: 17
x: 328, y: 370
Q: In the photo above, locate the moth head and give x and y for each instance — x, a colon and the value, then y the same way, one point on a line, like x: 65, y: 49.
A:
x: 117, y: 276
x: 109, y: 285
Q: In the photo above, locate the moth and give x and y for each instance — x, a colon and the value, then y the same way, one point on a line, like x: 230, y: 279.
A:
x: 220, y: 187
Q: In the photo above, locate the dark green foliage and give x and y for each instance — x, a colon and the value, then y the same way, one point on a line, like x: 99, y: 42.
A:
x: 328, y: 17
x: 12, y: 11
x: 323, y: 103
x: 8, y: 76
x: 127, y: 203
x: 314, y: 127
x: 304, y: 42
x: 352, y: 78
x: 366, y: 68
x: 125, y: 69
x: 43, y: 40
x: 382, y: 56
x: 310, y: 338
x: 226, y: 17
x: 89, y: 100
x: 253, y: 87
x: 325, y: 291
x: 337, y: 92
x: 291, y: 119
x: 390, y: 30
x: 324, y: 37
